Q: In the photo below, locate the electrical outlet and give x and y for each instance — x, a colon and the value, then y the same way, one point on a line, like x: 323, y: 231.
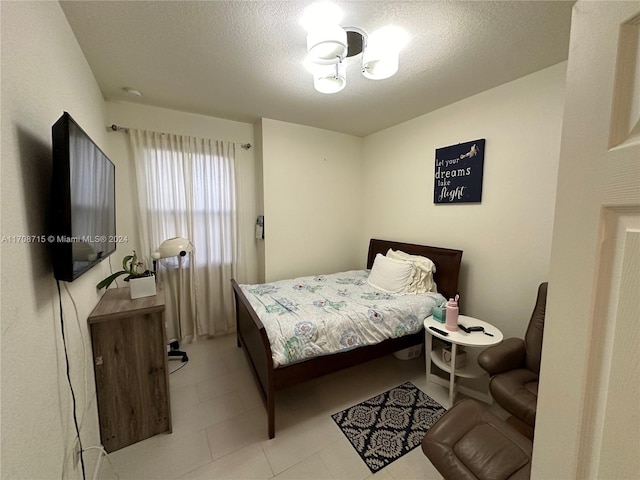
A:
x: 76, y: 454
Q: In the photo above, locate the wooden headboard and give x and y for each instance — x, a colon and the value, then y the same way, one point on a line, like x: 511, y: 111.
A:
x: 446, y: 260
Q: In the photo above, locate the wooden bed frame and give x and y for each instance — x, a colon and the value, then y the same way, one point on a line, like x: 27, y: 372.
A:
x: 252, y: 336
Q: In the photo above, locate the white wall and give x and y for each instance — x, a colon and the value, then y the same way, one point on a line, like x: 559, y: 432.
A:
x: 506, y: 238
x: 312, y: 200
x: 43, y: 73
x: 127, y: 114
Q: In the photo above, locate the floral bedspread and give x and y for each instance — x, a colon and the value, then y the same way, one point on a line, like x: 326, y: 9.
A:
x: 312, y: 316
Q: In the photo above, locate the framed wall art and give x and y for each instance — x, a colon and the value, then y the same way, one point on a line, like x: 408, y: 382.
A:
x: 458, y: 173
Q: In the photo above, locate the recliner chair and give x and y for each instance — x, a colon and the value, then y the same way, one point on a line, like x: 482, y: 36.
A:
x: 514, y: 367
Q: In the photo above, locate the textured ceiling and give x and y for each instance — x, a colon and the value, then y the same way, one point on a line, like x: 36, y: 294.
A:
x: 242, y: 60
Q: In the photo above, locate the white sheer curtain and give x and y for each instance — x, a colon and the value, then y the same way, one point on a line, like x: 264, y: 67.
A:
x: 186, y: 187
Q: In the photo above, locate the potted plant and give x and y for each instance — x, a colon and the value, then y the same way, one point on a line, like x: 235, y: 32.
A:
x: 141, y: 281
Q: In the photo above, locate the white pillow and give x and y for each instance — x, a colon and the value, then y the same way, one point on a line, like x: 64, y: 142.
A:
x: 424, y: 269
x: 390, y: 275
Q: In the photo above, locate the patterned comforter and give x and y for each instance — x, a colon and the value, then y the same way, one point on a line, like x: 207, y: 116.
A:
x: 311, y: 316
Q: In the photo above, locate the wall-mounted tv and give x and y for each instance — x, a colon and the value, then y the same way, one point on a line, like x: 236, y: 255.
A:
x: 83, y: 204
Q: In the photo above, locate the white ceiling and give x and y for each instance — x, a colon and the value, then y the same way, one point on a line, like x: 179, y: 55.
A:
x: 242, y: 60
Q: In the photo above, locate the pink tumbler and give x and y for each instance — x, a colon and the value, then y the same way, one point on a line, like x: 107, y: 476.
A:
x: 451, y: 322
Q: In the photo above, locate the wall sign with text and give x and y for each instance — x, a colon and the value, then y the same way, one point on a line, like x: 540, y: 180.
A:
x: 458, y: 173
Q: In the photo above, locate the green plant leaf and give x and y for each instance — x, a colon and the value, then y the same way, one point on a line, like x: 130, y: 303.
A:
x: 124, y: 262
x: 109, y: 280
x: 128, y: 268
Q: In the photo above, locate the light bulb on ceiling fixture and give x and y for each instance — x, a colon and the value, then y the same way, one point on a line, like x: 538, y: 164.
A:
x: 330, y: 78
x: 319, y: 14
x: 326, y: 40
x: 381, y: 63
x: 381, y: 57
x: 327, y: 44
x: 393, y: 36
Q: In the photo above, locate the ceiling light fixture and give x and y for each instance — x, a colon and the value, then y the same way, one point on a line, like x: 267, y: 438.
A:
x: 329, y: 44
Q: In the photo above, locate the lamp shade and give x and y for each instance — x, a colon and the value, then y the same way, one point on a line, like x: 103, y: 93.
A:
x: 380, y: 58
x: 327, y: 44
x: 173, y: 247
x: 379, y: 63
x: 330, y: 78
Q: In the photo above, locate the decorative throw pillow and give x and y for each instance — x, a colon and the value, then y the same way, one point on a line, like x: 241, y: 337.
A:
x: 390, y: 275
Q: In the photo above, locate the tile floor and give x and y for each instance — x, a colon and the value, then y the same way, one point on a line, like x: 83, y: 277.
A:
x: 220, y: 432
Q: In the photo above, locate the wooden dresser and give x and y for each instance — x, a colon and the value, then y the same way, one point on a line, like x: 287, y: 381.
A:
x: 130, y: 363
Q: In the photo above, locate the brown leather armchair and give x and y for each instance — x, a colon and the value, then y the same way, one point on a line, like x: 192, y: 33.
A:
x: 514, y: 366
x: 470, y: 443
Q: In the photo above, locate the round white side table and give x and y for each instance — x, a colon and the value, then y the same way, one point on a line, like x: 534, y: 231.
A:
x: 459, y: 337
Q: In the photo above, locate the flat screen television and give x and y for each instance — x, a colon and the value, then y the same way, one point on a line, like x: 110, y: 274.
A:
x: 83, y: 203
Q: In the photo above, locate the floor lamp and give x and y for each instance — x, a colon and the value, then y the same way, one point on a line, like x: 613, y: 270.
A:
x: 174, y: 247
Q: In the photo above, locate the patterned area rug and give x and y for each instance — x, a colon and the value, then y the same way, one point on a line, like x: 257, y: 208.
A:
x: 385, y: 427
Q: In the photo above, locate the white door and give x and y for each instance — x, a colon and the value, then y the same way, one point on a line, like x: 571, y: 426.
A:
x: 588, y: 417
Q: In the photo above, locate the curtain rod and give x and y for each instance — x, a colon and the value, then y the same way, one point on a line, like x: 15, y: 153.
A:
x: 116, y: 128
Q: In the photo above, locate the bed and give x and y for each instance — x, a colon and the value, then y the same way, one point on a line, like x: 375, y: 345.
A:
x: 272, y: 376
